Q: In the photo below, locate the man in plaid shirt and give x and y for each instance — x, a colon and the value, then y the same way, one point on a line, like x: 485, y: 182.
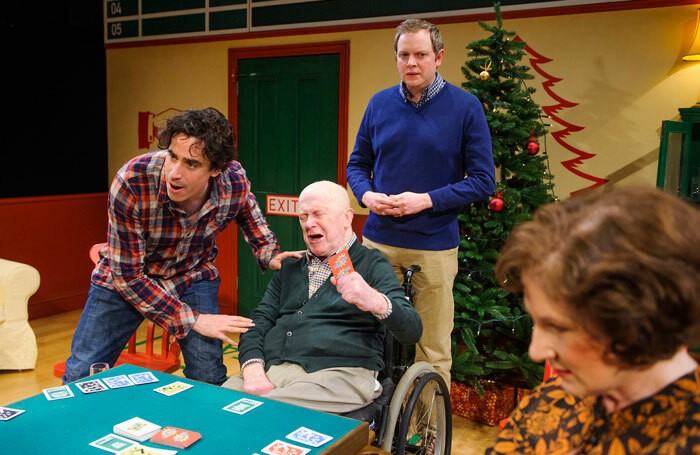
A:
x: 165, y: 210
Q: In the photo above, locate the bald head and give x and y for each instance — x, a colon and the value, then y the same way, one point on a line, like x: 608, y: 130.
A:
x: 325, y: 217
x: 333, y: 192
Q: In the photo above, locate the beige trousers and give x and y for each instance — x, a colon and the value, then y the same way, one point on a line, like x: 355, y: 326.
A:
x: 433, y: 301
x: 334, y: 390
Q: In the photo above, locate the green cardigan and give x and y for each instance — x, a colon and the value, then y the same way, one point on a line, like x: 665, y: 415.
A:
x: 325, y: 331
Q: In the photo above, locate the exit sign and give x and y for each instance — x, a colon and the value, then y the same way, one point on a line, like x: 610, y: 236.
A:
x: 281, y: 205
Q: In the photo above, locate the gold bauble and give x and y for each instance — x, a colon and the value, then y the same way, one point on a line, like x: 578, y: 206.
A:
x: 484, y: 75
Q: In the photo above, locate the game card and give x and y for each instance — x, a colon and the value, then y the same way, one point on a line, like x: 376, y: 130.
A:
x: 91, y: 386
x: 136, y: 428
x: 9, y: 413
x: 145, y: 377
x: 242, y: 406
x: 340, y: 264
x: 284, y: 448
x: 116, y: 382
x: 145, y: 450
x: 172, y: 389
x: 309, y: 437
x: 112, y: 443
x: 176, y: 437
x: 58, y: 393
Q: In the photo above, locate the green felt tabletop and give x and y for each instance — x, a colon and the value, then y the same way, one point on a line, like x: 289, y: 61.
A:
x: 67, y: 426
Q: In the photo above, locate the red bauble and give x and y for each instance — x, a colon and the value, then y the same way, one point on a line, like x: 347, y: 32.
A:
x: 533, y: 147
x: 496, y: 204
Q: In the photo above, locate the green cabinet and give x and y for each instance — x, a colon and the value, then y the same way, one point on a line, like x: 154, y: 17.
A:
x: 679, y: 156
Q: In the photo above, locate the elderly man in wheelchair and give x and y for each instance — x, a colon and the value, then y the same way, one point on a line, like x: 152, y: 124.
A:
x: 319, y: 341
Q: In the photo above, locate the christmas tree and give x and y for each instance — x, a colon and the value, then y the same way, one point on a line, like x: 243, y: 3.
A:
x: 492, y: 330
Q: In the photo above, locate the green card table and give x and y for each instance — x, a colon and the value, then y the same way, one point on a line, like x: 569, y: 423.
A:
x: 67, y: 426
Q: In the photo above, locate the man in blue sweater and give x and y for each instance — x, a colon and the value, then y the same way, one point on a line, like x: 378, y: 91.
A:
x: 422, y: 152
x: 317, y: 340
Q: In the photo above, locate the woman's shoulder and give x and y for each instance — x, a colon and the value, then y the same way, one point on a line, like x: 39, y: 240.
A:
x: 550, y: 394
x: 547, y: 420
x: 548, y: 408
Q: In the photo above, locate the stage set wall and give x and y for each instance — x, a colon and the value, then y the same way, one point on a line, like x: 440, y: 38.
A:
x: 620, y: 70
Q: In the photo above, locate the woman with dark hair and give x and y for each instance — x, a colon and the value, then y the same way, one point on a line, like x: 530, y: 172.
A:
x: 611, y: 280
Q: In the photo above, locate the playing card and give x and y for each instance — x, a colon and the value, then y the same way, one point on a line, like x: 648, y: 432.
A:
x: 8, y: 413
x: 242, y: 406
x: 173, y: 388
x: 284, y: 448
x: 340, y: 264
x: 309, y: 437
x: 112, y: 443
x: 58, y: 393
x: 116, y: 382
x: 136, y: 428
x: 143, y: 378
x: 176, y: 437
x: 91, y: 386
x: 145, y: 450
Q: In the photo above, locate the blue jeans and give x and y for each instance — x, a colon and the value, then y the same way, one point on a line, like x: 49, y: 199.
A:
x: 108, y: 321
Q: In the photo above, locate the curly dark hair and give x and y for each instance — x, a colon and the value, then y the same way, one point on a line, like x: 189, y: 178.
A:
x: 209, y: 126
x: 626, y: 262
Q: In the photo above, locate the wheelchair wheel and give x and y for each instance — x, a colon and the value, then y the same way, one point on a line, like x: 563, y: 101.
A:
x: 425, y: 426
x: 439, y: 415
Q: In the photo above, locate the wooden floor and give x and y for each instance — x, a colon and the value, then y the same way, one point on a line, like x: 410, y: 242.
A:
x: 54, y: 334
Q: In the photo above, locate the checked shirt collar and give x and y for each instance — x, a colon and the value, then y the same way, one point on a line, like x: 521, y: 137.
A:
x: 320, y: 269
x: 428, y: 93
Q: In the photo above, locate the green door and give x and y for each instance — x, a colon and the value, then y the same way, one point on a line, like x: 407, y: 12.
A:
x: 288, y: 138
x: 674, y: 154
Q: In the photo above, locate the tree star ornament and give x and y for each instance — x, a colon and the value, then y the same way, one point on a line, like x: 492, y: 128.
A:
x: 484, y: 75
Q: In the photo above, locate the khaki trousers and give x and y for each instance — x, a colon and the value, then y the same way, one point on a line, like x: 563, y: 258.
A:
x: 433, y: 301
x: 335, y: 390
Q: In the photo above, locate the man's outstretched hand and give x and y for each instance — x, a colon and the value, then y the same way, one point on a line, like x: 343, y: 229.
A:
x: 217, y: 325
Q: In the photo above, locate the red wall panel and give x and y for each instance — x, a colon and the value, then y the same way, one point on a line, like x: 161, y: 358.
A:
x: 54, y: 234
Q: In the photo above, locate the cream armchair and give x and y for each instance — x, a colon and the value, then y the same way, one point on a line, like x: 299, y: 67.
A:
x: 18, y: 282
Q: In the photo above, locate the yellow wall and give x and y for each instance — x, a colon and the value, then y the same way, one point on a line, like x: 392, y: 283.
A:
x: 623, y: 69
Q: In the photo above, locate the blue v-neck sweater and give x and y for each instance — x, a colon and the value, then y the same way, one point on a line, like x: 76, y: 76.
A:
x: 428, y: 149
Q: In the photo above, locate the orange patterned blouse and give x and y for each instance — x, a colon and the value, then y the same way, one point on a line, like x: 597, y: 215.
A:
x: 550, y: 421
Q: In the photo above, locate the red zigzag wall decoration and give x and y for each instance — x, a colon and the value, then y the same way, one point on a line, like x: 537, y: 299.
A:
x: 571, y: 165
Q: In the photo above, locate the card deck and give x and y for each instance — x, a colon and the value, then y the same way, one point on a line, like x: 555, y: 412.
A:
x: 58, y: 393
x: 309, y: 437
x: 112, y: 443
x: 91, y: 386
x: 242, y: 406
x: 145, y: 377
x: 9, y: 413
x: 116, y: 382
x: 176, y: 437
x: 136, y: 428
x: 172, y: 388
x: 341, y: 264
x: 284, y: 448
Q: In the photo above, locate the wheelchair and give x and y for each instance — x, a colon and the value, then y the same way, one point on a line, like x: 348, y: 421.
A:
x: 413, y: 415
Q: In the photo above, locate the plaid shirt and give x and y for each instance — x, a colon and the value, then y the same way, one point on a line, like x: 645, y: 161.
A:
x: 155, y: 252
x: 320, y: 269
x: 428, y: 92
